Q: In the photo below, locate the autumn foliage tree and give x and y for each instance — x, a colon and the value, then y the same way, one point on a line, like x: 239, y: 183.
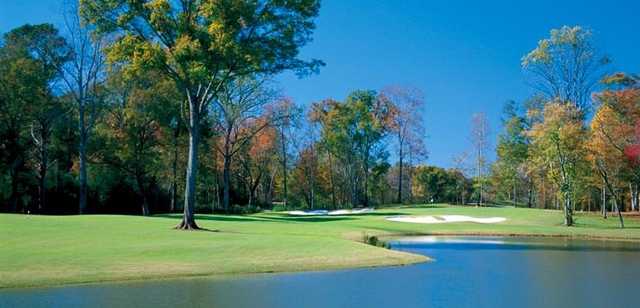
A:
x: 607, y: 133
x: 621, y: 101
x: 558, y: 142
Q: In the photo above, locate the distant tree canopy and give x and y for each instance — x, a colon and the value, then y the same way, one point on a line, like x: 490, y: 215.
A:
x: 566, y: 66
x: 189, y: 77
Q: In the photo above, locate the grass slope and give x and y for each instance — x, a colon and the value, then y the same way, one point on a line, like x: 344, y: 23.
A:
x: 53, y: 250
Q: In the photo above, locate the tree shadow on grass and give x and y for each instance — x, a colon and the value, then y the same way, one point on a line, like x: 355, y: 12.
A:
x: 381, y: 214
x: 605, y: 227
x: 416, y: 206
x: 238, y: 218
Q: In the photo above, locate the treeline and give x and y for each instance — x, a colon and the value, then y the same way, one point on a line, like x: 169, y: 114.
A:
x: 575, y: 145
x: 136, y: 115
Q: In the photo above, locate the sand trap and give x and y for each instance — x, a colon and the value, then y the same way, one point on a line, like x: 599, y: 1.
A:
x: 430, y: 239
x: 351, y: 212
x: 331, y: 213
x: 440, y: 219
x: 309, y: 213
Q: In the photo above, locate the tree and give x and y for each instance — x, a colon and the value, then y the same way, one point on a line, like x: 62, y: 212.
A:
x: 82, y: 75
x: 632, y: 153
x: 202, y: 46
x: 566, y: 67
x: 372, y: 117
x: 406, y: 124
x: 306, y: 173
x: 460, y: 169
x: 480, y: 141
x: 607, y: 132
x: 435, y: 184
x: 289, y: 115
x: 353, y: 132
x: 239, y: 105
x: 511, y: 151
x: 30, y: 55
x: 132, y: 129
x: 558, y: 142
x: 44, y: 119
x: 16, y: 97
x: 259, y: 154
x: 622, y: 101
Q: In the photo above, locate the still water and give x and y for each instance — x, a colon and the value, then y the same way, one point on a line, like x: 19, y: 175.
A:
x: 467, y: 272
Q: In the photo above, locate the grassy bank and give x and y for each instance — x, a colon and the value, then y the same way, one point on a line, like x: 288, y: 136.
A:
x: 53, y: 250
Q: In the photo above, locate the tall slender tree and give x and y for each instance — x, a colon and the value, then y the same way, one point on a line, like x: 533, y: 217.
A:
x: 407, y: 123
x: 480, y: 141
x: 82, y: 76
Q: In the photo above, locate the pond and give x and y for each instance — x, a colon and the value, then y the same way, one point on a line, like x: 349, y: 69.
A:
x: 467, y: 272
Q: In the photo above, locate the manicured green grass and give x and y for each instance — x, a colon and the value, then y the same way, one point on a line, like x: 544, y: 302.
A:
x: 52, y: 250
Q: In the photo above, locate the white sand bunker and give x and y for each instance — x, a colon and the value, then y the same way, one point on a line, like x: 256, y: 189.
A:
x: 440, y: 219
x: 331, y: 213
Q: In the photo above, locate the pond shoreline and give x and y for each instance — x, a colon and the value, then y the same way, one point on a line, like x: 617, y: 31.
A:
x: 131, y: 248
x: 389, y: 237
x: 551, y: 264
x: 385, y: 239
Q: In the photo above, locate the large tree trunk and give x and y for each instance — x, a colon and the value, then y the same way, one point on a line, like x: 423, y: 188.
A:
x: 615, y: 202
x: 568, y: 211
x: 253, y: 188
x: 188, y: 220
x: 143, y: 193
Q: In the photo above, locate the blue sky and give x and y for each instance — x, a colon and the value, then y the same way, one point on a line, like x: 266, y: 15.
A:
x: 464, y: 56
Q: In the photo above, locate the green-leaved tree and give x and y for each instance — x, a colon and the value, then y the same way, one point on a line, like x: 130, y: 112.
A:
x: 202, y: 45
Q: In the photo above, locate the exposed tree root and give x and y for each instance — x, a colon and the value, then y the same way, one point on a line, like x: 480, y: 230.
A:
x: 187, y: 225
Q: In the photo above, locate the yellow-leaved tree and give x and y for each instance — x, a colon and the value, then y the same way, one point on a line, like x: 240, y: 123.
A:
x: 557, y: 143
